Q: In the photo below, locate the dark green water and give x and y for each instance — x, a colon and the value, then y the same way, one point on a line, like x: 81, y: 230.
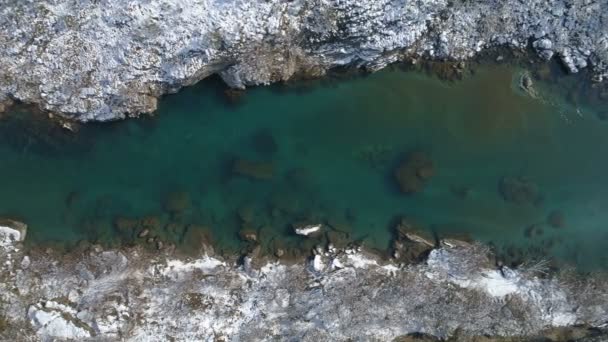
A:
x: 332, y: 151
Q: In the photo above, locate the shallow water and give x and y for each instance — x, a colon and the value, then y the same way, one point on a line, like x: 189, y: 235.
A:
x: 327, y: 152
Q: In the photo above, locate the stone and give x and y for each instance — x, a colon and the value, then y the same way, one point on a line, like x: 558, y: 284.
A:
x: 253, y: 170
x: 519, y: 190
x: 414, y: 172
x: 143, y: 233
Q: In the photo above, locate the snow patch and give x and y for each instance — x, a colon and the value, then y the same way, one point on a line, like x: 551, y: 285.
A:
x: 308, y: 229
x: 176, y: 268
x: 52, y: 321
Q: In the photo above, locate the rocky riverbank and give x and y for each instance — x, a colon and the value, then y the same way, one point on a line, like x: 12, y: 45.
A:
x: 106, y: 60
x: 455, y: 291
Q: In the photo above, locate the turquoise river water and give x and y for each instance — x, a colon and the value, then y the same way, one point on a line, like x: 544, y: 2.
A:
x: 527, y: 174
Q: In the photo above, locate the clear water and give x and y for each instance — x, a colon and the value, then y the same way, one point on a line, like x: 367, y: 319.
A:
x: 333, y: 147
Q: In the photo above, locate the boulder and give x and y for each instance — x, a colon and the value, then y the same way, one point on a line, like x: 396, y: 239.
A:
x: 414, y: 172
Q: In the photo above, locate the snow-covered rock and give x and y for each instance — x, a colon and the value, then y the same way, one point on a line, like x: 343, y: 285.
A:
x: 105, y: 60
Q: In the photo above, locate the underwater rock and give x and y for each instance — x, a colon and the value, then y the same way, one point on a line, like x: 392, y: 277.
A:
x: 414, y: 172
x: 246, y: 213
x: 177, y: 202
x: 125, y: 224
x: 519, y: 190
x: 234, y: 96
x: 446, y: 71
x: 264, y: 143
x: 198, y: 239
x: 309, y: 230
x: 556, y: 219
x: 253, y: 170
x: 533, y: 230
x: 151, y: 222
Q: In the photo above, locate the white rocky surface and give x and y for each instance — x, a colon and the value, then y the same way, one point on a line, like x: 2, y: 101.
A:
x: 342, y: 295
x: 108, y: 59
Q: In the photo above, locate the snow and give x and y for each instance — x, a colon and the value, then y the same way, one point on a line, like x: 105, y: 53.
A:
x: 9, y: 236
x: 175, y: 267
x: 51, y: 322
x: 359, y: 260
x: 495, y: 284
x: 308, y: 230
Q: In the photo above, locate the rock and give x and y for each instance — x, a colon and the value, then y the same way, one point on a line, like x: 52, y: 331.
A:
x: 234, y: 96
x: 309, y: 230
x: 519, y: 190
x: 339, y: 239
x: 12, y: 231
x: 197, y: 239
x: 413, y: 173
x: 556, y: 219
x: 544, y: 48
x: 411, y: 244
x: 143, y: 233
x: 248, y: 234
x: 25, y: 262
x: 177, y: 202
x: 42, y: 64
x: 253, y: 170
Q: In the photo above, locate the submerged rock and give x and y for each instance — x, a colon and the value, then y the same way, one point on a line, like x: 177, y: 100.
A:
x: 519, y: 190
x: 177, y: 202
x: 414, y: 172
x: 556, y: 219
x: 253, y: 170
